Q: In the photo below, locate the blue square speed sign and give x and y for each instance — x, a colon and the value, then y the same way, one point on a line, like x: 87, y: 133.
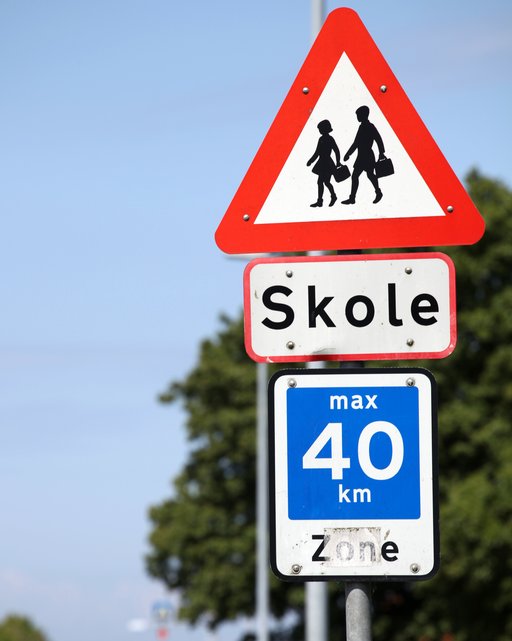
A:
x: 353, y: 474
x: 353, y: 453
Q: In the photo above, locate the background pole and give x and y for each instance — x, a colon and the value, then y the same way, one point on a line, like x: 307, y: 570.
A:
x: 316, y: 599
x: 262, y: 562
x: 317, y: 17
x: 317, y: 605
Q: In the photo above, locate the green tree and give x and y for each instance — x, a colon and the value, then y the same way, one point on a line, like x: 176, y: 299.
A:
x: 19, y: 628
x: 203, y: 536
x: 202, y: 540
x: 471, y: 598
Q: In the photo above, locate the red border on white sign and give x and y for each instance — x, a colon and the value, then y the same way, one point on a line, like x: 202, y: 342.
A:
x: 409, y: 352
x: 239, y: 231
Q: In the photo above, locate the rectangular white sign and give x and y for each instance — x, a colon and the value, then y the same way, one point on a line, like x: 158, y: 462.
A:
x: 352, y: 307
x: 353, y: 474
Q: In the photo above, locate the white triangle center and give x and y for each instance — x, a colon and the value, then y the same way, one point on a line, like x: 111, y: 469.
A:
x: 404, y: 193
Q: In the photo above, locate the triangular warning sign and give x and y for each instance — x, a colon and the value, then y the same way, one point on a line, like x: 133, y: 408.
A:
x: 347, y: 162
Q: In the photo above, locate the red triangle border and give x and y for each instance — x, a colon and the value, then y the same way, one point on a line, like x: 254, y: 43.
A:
x: 342, y: 32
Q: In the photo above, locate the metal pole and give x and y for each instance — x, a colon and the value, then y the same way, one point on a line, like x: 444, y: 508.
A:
x: 317, y: 611
x: 358, y: 606
x: 262, y: 595
x: 358, y: 597
x: 317, y: 17
x: 317, y: 605
x: 316, y: 601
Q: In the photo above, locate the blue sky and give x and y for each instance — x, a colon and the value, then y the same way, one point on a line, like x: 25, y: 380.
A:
x: 125, y: 129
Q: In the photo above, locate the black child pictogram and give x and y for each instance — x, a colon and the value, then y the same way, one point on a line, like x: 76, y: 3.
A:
x: 367, y: 134
x: 325, y: 166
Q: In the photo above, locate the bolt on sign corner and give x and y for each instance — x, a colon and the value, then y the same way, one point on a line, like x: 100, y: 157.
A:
x: 352, y: 307
x: 353, y: 474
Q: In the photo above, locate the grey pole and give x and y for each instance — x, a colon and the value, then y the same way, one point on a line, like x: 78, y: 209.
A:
x: 317, y: 17
x: 316, y: 610
x: 358, y: 607
x: 262, y: 598
x: 317, y: 606
x: 358, y: 597
x: 262, y: 595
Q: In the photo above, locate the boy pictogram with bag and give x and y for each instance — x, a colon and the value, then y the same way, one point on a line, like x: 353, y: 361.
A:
x: 366, y: 136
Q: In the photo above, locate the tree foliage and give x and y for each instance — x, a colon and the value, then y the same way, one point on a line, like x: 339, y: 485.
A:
x: 19, y: 628
x: 203, y: 538
x: 471, y: 598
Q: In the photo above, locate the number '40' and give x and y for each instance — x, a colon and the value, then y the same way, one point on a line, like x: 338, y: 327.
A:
x: 333, y: 432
